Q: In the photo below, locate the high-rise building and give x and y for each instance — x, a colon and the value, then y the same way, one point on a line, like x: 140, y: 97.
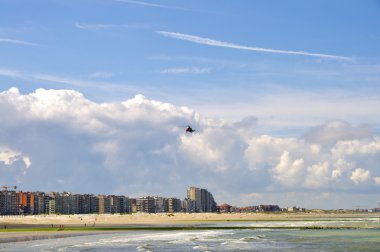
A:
x: 124, y: 204
x: 161, y: 204
x: 50, y: 205
x: 104, y: 204
x: 174, y: 205
x: 39, y: 202
x: 26, y: 202
x: 145, y: 205
x: 188, y: 205
x: 9, y: 202
x: 194, y: 193
x: 204, y: 201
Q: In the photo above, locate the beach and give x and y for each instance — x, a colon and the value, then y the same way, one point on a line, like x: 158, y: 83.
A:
x: 166, y: 218
x: 14, y: 228
x: 192, y: 232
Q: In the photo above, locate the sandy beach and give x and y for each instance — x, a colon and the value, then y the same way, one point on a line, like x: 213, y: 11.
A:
x: 163, y: 219
x: 10, y: 225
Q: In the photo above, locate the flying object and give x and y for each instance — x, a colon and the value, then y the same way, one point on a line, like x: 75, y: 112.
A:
x: 189, y: 129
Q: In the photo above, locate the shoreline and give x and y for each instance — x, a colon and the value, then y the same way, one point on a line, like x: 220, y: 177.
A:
x: 24, y: 228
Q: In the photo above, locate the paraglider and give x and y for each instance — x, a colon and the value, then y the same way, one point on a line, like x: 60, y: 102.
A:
x: 189, y: 129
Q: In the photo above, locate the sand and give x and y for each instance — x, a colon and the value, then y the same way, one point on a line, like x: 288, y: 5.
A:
x: 12, y: 223
x: 162, y: 219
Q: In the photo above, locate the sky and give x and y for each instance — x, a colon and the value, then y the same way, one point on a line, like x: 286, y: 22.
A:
x: 284, y: 97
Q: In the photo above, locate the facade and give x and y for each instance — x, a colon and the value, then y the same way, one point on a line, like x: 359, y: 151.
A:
x: 145, y: 205
x: 188, y: 205
x: 161, y: 204
x: 104, y: 204
x: 174, y: 205
x: 224, y: 208
x: 14, y: 203
x: 50, y: 204
x: 9, y: 203
x: 39, y: 203
x: 26, y: 202
x: 194, y: 194
x: 204, y: 201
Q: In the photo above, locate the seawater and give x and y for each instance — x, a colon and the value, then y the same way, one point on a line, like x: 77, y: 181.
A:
x: 272, y: 238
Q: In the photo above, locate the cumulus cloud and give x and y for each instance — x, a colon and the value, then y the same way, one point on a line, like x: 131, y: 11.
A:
x: 360, y: 175
x: 377, y: 180
x: 139, y: 147
x: 9, y: 156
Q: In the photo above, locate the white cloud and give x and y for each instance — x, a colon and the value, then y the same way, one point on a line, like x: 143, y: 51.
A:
x: 288, y: 171
x: 8, y: 156
x: 377, y: 180
x: 15, y: 165
x: 212, y: 42
x: 360, y: 175
x: 186, y: 70
x: 318, y: 175
x: 139, y: 147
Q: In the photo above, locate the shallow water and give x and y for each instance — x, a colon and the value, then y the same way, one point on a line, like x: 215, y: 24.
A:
x: 263, y: 239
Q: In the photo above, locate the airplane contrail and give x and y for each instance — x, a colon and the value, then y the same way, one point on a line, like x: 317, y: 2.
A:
x: 151, y: 5
x: 212, y: 42
x: 15, y: 41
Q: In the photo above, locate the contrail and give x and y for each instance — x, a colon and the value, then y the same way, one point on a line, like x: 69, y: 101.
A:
x: 152, y: 5
x: 15, y: 41
x: 212, y: 42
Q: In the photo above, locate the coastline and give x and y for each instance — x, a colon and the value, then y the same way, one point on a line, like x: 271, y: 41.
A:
x: 25, y: 228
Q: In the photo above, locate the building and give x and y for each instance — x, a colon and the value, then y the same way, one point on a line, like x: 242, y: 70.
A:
x: 204, y: 201
x: 26, y: 202
x: 188, y: 205
x: 174, y: 205
x: 104, y: 204
x: 9, y: 203
x: 39, y: 203
x: 224, y: 208
x: 269, y: 208
x: 161, y: 204
x: 50, y: 205
x: 194, y: 194
x: 66, y: 203
x: 124, y: 204
x: 145, y: 205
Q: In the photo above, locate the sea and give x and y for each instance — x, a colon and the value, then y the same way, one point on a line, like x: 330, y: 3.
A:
x: 322, y: 235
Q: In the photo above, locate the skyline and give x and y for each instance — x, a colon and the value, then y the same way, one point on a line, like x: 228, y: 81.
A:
x: 284, y: 97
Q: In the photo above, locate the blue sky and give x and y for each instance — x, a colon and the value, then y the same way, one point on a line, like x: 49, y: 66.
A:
x: 293, y: 66
x: 111, y: 50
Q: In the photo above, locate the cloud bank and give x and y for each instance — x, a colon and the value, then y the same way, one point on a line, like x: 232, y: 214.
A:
x: 212, y: 42
x: 59, y: 140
